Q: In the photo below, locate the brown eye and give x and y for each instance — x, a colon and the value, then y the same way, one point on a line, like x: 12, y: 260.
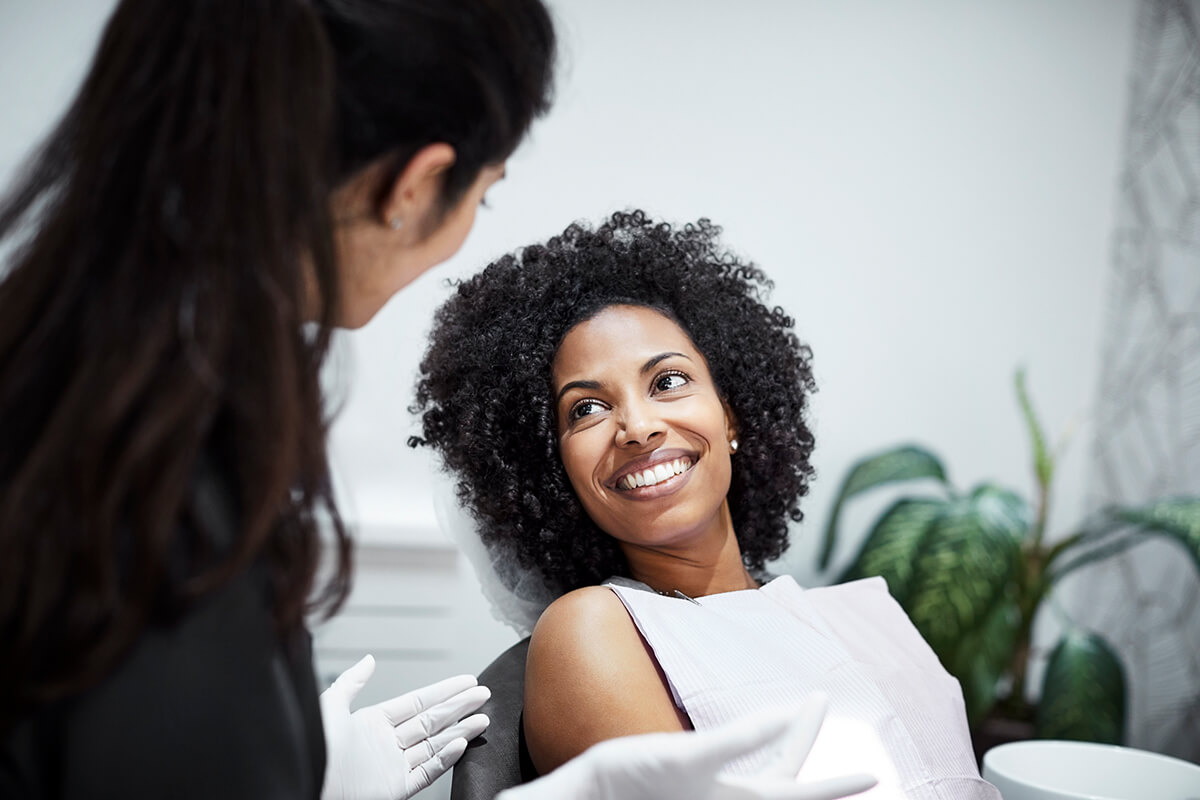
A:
x: 584, y: 408
x: 670, y: 380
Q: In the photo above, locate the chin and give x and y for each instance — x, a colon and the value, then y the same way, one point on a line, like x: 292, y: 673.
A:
x: 674, y: 533
x: 356, y: 316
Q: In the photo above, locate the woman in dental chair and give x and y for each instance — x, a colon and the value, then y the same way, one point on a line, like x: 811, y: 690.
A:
x: 626, y: 421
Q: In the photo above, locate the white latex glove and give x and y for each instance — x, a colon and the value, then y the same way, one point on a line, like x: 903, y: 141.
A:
x: 684, y: 766
x: 392, y: 750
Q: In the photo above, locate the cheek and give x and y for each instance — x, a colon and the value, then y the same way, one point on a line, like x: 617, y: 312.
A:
x: 579, y: 462
x: 456, y: 230
x: 572, y: 462
x: 716, y: 432
x: 714, y: 427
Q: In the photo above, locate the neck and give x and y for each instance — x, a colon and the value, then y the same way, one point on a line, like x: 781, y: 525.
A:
x: 710, y: 563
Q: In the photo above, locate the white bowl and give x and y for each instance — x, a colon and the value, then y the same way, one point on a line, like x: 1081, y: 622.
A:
x: 1052, y: 770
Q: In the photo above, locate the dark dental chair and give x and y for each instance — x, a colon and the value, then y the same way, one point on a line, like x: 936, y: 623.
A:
x: 499, y: 758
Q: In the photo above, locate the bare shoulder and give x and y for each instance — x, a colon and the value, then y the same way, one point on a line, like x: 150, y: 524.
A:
x: 589, y: 677
x: 567, y: 619
x: 584, y: 639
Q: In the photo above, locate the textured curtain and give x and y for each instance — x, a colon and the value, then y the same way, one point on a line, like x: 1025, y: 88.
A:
x: 1147, y: 441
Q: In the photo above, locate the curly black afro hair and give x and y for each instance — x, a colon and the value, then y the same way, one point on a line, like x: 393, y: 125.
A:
x: 486, y: 405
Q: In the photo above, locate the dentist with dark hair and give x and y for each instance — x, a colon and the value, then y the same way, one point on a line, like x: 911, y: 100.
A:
x: 233, y: 181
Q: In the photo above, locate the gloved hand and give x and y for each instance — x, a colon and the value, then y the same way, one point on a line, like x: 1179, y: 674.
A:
x: 683, y: 766
x: 392, y: 750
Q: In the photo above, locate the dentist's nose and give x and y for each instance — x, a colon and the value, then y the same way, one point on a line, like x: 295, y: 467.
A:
x: 639, y: 424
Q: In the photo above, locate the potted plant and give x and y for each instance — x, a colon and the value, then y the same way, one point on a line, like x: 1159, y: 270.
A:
x: 973, y: 570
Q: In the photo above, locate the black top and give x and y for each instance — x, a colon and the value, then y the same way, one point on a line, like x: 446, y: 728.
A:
x: 215, y: 704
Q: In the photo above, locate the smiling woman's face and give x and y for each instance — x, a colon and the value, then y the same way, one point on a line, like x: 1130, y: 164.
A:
x: 642, y: 430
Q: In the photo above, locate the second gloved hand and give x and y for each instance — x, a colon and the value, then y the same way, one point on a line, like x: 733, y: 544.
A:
x: 686, y: 766
x: 394, y: 749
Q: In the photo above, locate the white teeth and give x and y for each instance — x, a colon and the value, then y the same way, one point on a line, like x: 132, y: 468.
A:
x: 656, y: 474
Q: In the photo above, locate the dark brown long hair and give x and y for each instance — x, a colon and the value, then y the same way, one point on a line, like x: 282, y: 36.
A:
x: 154, y: 300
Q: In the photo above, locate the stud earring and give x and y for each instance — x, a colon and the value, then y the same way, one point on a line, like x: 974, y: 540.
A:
x: 733, y: 445
x: 395, y: 223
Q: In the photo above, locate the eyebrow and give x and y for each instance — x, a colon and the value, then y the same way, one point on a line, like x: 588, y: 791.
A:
x: 593, y: 385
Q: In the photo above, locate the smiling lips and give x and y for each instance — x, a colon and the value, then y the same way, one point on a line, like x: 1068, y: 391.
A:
x: 654, y: 475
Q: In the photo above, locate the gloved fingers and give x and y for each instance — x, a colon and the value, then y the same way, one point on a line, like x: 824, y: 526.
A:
x: 751, y: 788
x: 578, y: 779
x: 471, y: 727
x: 441, y: 716
x: 793, y: 747
x: 429, y: 771
x: 468, y: 729
x: 408, y: 705
x: 351, y: 682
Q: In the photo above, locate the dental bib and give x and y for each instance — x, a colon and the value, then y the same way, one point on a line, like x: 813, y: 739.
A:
x: 893, y: 709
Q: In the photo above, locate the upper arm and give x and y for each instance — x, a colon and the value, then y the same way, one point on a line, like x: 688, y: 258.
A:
x: 589, y: 677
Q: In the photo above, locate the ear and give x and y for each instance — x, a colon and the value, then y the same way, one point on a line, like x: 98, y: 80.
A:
x: 418, y: 188
x: 731, y: 423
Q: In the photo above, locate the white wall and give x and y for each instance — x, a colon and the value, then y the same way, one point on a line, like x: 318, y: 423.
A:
x: 931, y: 184
x: 45, y: 48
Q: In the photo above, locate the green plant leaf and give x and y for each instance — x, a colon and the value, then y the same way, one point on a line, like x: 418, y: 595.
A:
x: 1043, y: 461
x: 1083, y: 692
x: 1096, y: 550
x: 982, y: 656
x: 904, y: 463
x: 1001, y: 511
x: 965, y: 564
x: 891, y: 547
x: 1176, y: 517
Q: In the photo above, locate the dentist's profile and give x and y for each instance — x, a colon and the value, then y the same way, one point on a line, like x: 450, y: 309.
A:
x: 232, y: 182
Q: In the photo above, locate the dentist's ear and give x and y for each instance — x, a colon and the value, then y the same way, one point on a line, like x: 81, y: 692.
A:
x: 414, y: 196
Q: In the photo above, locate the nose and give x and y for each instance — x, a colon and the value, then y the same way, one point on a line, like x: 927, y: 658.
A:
x: 638, y: 424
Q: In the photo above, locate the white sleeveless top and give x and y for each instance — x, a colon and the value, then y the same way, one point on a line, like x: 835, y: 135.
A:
x: 893, y: 710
